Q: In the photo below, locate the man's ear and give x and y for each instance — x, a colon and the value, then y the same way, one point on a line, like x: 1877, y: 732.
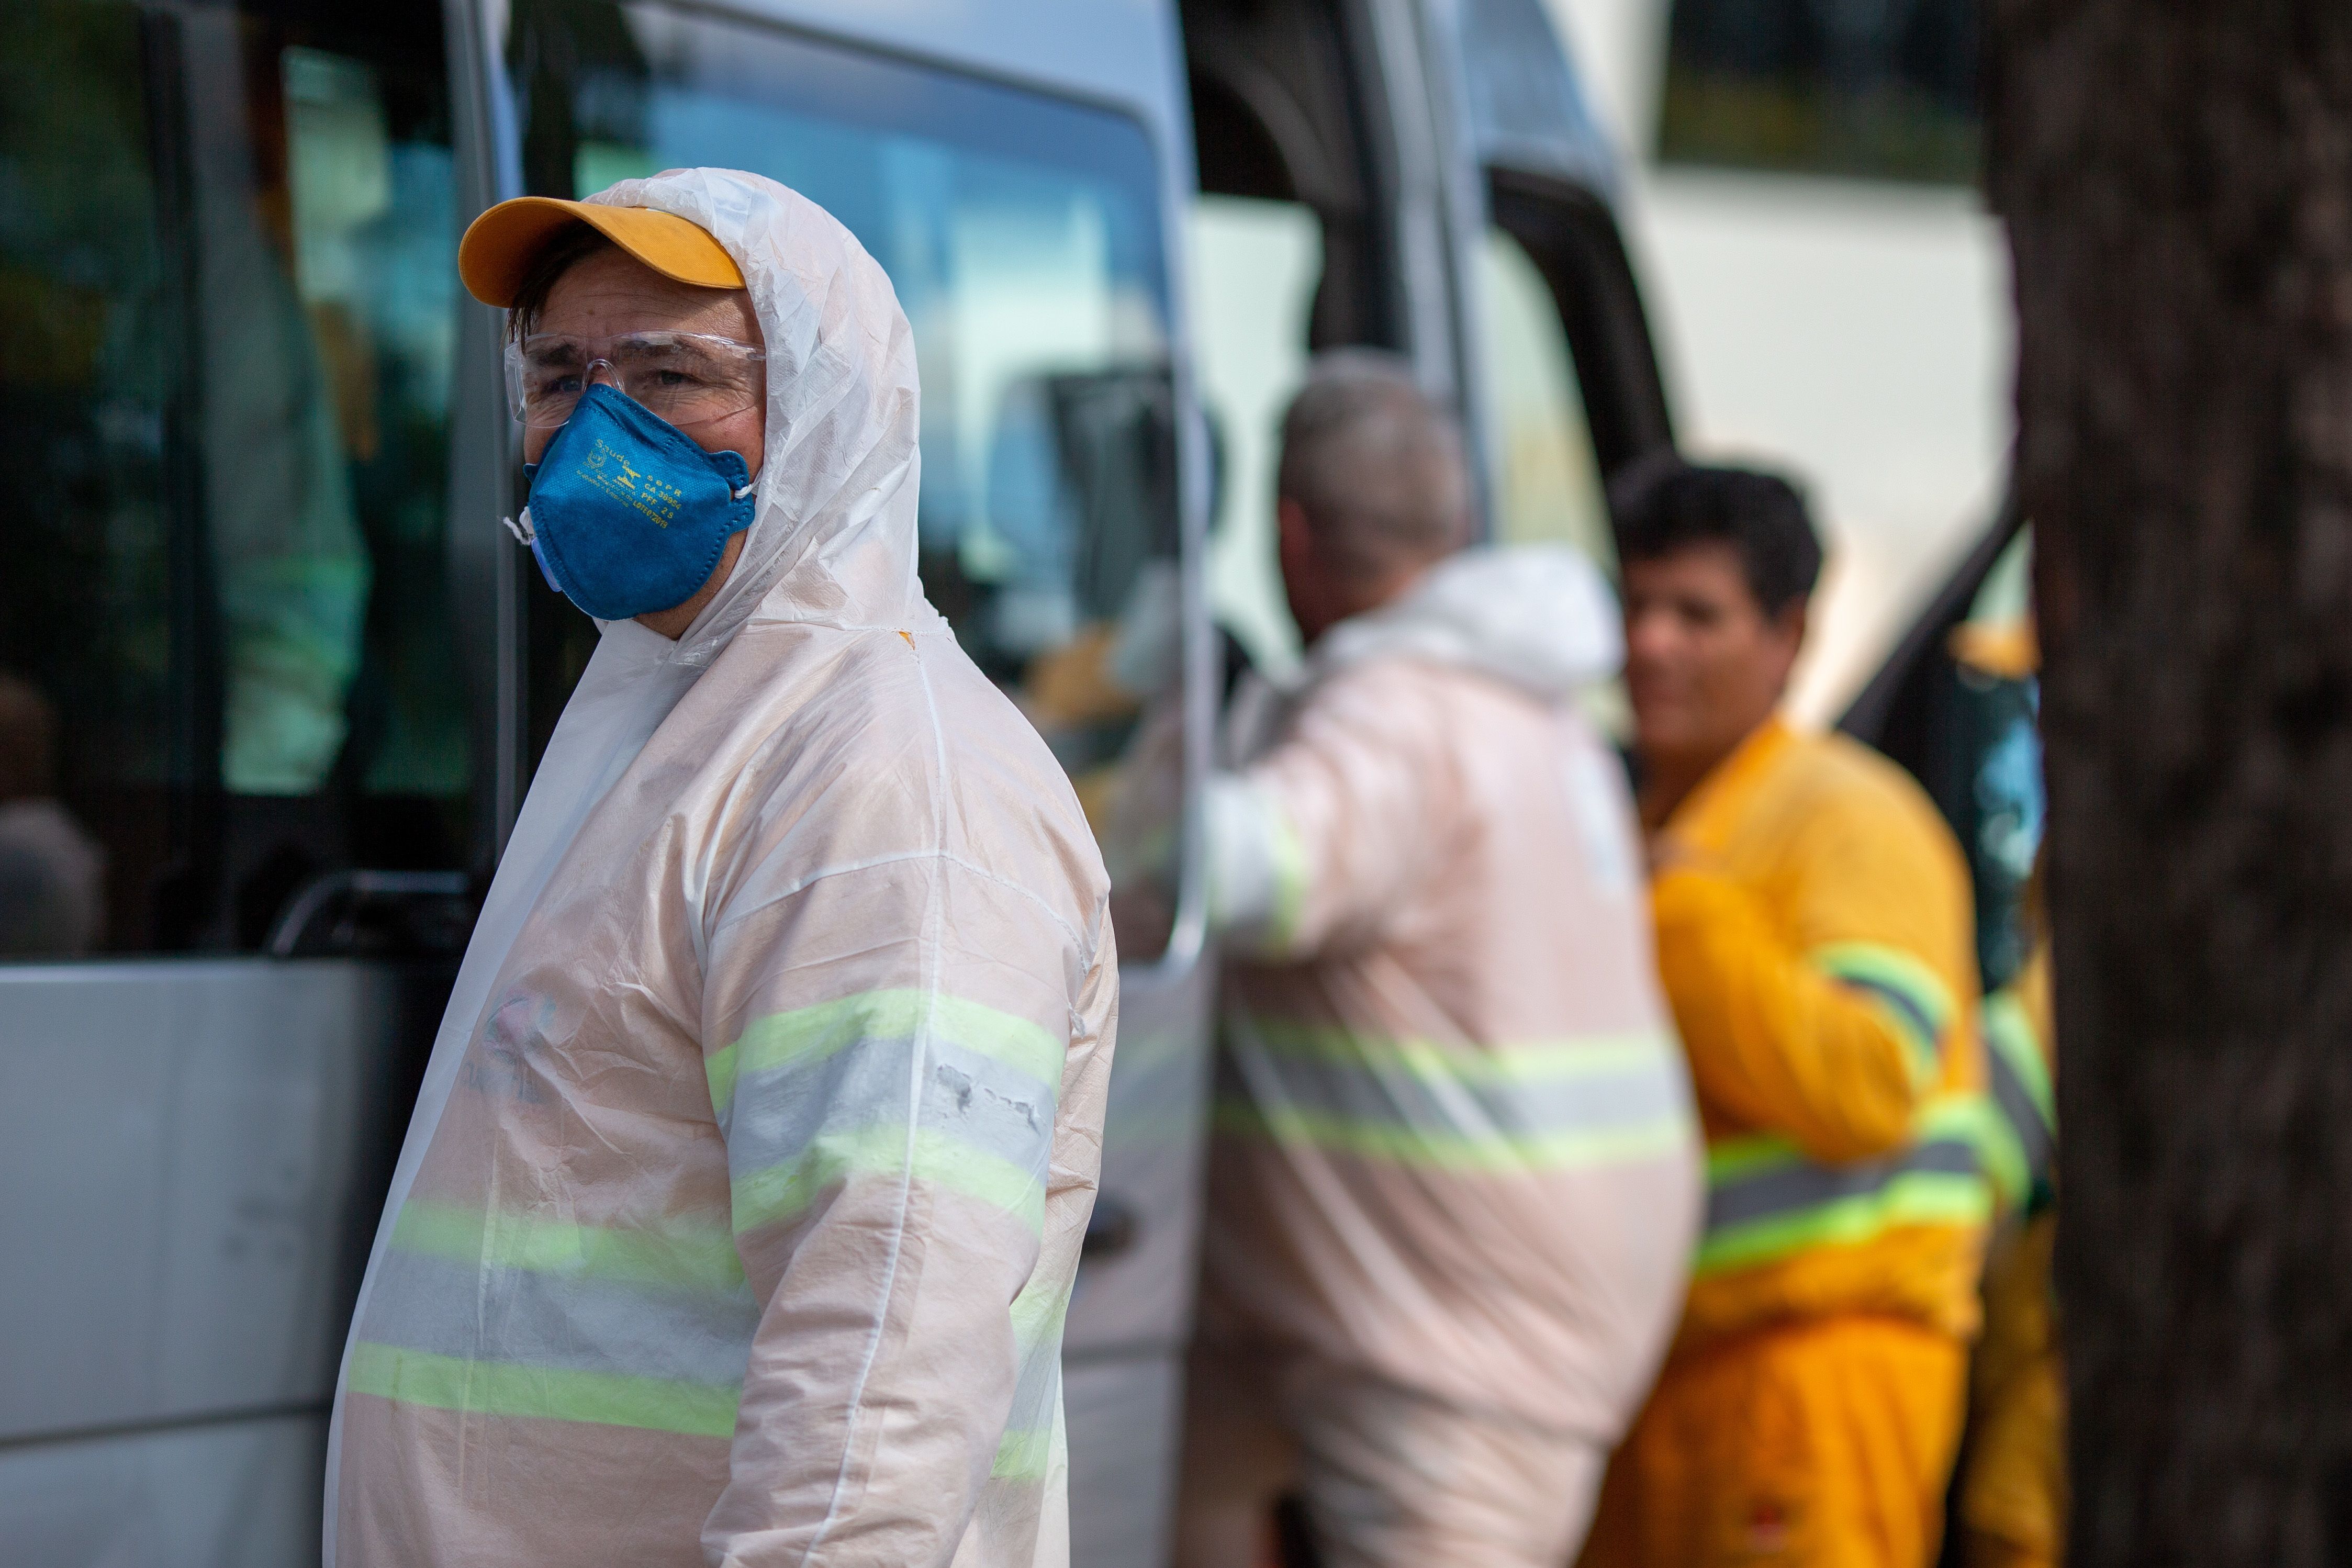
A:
x: 1289, y: 523
x: 1788, y: 638
x: 1790, y: 625
x: 1293, y: 540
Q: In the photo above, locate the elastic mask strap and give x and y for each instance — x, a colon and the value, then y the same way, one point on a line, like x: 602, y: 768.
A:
x: 747, y: 490
x: 523, y: 531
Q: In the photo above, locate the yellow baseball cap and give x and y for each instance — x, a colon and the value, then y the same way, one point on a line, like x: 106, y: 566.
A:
x: 501, y: 246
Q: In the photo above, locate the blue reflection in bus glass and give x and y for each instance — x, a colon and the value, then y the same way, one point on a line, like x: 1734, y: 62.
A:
x: 2008, y: 794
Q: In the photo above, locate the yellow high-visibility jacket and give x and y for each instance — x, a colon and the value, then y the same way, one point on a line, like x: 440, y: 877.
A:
x: 2012, y: 1499
x: 2021, y: 1068
x: 1815, y: 935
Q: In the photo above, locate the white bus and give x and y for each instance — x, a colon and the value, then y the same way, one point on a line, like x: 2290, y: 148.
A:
x: 273, y: 679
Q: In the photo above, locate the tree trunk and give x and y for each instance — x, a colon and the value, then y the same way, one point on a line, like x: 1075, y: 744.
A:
x: 2178, y: 183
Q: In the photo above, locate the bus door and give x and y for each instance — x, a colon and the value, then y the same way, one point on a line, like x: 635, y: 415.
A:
x: 240, y: 772
x: 1025, y: 233
x: 1958, y: 703
x: 1424, y: 178
x: 1322, y: 221
x: 1566, y: 386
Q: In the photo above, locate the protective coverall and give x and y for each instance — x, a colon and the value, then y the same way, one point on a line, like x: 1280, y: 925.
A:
x: 1455, y: 1179
x: 1814, y: 934
x: 2013, y: 1493
x: 740, y: 1209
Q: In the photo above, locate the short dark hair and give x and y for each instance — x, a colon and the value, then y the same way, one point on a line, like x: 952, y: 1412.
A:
x: 1374, y: 464
x: 571, y: 245
x: 1662, y: 504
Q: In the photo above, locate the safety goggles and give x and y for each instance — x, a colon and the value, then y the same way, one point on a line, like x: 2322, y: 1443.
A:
x: 685, y: 378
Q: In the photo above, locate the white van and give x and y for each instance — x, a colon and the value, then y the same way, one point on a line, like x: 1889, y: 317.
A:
x: 273, y: 679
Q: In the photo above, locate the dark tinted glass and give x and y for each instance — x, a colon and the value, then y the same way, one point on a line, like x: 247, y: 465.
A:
x: 1996, y: 802
x: 1880, y: 87
x: 227, y: 300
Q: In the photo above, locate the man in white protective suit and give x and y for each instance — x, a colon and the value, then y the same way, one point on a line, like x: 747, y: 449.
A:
x: 1456, y: 1178
x: 739, y: 1215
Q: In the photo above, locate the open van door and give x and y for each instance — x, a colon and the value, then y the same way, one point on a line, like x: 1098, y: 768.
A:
x: 1565, y: 384
x: 1964, y: 727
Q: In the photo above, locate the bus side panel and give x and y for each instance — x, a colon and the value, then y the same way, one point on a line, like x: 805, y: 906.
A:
x: 1126, y: 1420
x: 1135, y: 1289
x: 192, y: 1156
x: 1131, y: 1313
x: 239, y: 1495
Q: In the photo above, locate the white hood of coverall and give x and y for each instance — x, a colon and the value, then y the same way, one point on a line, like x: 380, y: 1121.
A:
x: 1536, y: 615
x: 833, y: 542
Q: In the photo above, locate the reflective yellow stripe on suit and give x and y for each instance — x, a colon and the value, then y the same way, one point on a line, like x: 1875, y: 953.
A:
x: 1768, y: 1202
x: 1543, y: 1106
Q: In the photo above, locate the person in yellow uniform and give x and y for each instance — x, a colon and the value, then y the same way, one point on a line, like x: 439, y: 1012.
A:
x: 2010, y: 1501
x: 2012, y: 1497
x: 1815, y: 938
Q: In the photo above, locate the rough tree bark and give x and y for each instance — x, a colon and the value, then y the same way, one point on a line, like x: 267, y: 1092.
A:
x: 2177, y: 178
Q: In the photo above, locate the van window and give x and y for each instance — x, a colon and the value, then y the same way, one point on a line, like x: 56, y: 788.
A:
x: 1545, y: 478
x: 1255, y: 265
x: 1998, y: 803
x: 1547, y: 484
x: 1023, y: 236
x: 225, y: 281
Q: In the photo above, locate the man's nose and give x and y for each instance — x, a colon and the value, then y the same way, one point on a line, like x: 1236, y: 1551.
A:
x: 607, y: 369
x: 1648, y: 633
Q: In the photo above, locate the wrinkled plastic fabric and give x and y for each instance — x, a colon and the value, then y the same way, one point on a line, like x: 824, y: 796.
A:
x: 1815, y: 939
x: 1454, y: 1487
x: 1456, y: 1144
x: 740, y: 1208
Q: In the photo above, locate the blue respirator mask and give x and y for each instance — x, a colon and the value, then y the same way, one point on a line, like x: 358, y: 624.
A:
x: 627, y: 514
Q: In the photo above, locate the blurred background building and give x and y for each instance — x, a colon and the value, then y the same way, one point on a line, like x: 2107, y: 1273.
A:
x: 1825, y: 284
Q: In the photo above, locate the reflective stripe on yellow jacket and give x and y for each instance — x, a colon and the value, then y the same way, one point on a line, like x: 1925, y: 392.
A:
x: 2012, y: 1496
x: 2018, y: 1074
x: 1815, y: 937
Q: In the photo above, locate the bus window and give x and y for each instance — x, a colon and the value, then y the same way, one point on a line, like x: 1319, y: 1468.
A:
x: 1959, y: 706
x: 1288, y: 250
x: 225, y: 276
x: 1545, y: 478
x: 1254, y: 267
x: 1995, y: 797
x: 1022, y: 236
x: 1547, y: 484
